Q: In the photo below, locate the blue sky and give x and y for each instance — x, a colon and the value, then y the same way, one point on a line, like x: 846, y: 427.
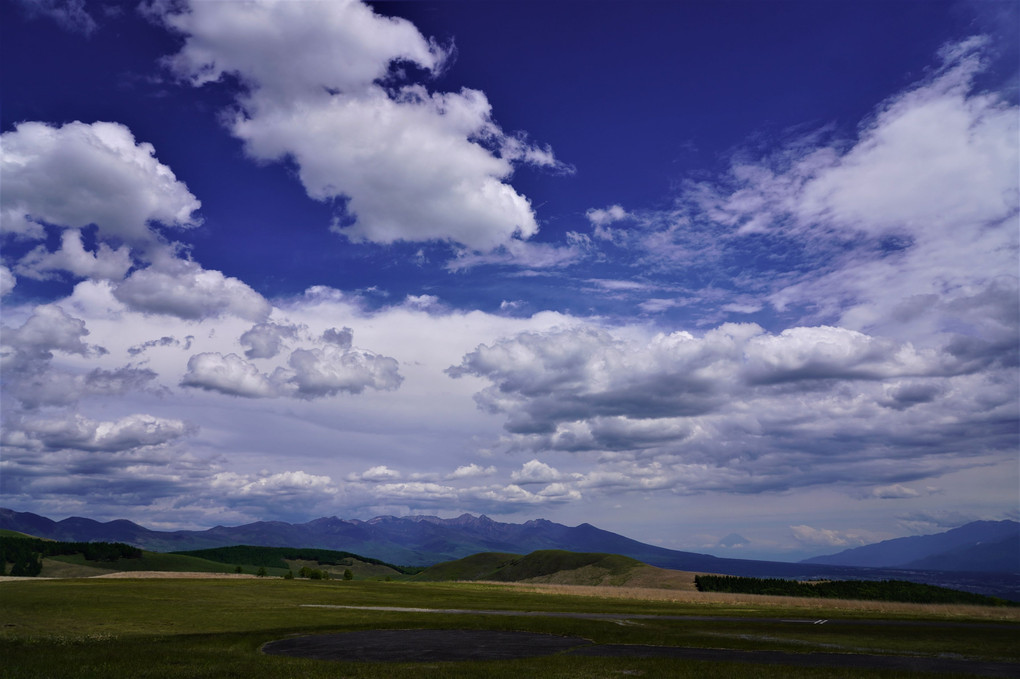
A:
x: 677, y: 269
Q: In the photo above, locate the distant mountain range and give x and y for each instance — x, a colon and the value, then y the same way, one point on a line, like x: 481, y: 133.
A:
x: 412, y: 540
x: 427, y: 540
x: 979, y: 546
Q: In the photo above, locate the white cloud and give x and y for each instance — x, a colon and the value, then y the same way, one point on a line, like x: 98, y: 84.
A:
x: 657, y: 304
x: 228, y: 374
x: 79, y: 433
x: 826, y: 352
x: 345, y: 45
x: 328, y: 370
x: 184, y: 289
x: 525, y: 254
x: 79, y: 174
x: 407, y: 166
x: 932, y: 159
x: 48, y: 329
x: 830, y: 538
x: 421, y: 301
x: 323, y: 366
x: 7, y: 281
x: 413, y: 165
x: 469, y: 471
x: 413, y: 491
x: 71, y: 15
x: 738, y: 408
x: 909, y: 224
x: 560, y: 492
x: 378, y: 474
x: 105, y: 263
x: 895, y: 491
x: 582, y: 373
x: 535, y: 471
x: 605, y: 216
x: 266, y: 340
x: 602, y: 218
x: 276, y: 487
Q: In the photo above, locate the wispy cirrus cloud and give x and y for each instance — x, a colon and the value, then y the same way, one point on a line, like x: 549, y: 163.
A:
x: 71, y: 15
x: 907, y: 228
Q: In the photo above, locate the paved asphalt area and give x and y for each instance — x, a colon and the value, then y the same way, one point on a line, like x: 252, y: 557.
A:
x: 433, y: 645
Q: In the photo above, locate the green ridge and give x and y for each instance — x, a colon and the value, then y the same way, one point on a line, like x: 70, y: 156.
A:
x: 277, y: 557
x: 505, y: 567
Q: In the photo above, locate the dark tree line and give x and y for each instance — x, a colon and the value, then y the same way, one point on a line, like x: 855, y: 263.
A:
x: 25, y: 555
x: 868, y: 590
x: 275, y: 557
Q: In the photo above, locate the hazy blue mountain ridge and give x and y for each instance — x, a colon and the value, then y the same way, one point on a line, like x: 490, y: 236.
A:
x: 992, y: 546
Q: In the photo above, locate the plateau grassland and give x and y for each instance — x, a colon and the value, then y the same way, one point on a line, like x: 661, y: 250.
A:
x: 184, y: 628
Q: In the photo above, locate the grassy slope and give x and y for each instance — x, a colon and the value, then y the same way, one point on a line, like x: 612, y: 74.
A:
x: 5, y: 533
x: 475, y: 567
x: 551, y: 561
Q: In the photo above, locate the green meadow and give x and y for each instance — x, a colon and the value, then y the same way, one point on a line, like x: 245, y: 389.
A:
x: 178, y: 627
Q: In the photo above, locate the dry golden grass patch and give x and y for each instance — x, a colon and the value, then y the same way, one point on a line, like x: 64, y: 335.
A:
x: 763, y: 602
x: 643, y: 576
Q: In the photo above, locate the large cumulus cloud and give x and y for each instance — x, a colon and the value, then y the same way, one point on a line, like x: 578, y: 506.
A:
x: 79, y: 433
x: 186, y: 290
x: 741, y: 409
x: 541, y: 380
x: 322, y: 366
x: 80, y: 174
x: 412, y: 165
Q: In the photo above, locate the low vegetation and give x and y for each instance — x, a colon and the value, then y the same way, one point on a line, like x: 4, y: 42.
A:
x: 177, y: 628
x: 880, y: 590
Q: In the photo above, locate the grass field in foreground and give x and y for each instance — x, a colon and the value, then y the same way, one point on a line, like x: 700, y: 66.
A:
x: 214, y: 628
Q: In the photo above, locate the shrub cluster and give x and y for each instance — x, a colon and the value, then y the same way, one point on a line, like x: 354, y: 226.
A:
x: 313, y: 573
x: 868, y: 590
x: 25, y: 554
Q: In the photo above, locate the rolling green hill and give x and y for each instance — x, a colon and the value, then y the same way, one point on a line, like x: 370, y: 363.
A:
x: 27, y: 556
x: 480, y: 566
x: 547, y: 565
x: 288, y: 558
x: 5, y: 533
x: 148, y: 561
